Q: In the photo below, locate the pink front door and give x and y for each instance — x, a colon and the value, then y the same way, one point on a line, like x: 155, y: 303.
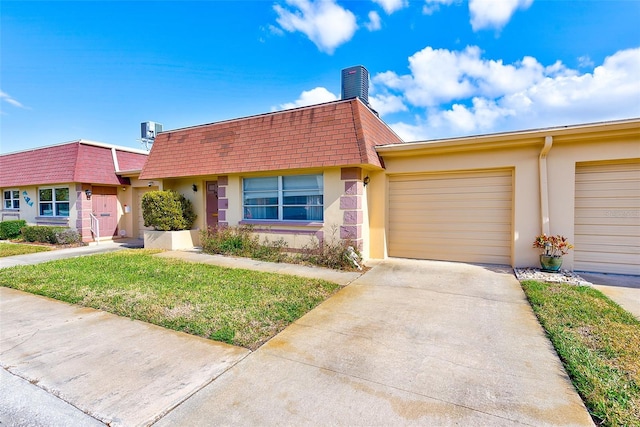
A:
x: 104, y: 201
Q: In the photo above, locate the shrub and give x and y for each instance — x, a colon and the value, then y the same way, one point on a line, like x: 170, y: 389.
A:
x: 333, y: 253
x: 11, y: 229
x: 50, y: 234
x: 167, y: 210
x: 242, y: 241
x: 67, y: 236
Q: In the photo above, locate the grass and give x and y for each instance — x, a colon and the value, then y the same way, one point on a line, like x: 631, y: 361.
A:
x: 599, y: 345
x: 240, y: 307
x: 11, y: 249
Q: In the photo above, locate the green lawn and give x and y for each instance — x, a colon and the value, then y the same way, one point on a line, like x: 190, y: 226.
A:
x: 240, y: 307
x: 11, y: 249
x: 599, y: 345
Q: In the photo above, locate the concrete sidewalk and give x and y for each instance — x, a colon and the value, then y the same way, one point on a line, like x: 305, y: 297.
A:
x: 623, y: 290
x: 409, y: 342
x: 40, y: 257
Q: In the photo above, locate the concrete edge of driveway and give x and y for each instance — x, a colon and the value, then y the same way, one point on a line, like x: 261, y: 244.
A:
x: 342, y: 278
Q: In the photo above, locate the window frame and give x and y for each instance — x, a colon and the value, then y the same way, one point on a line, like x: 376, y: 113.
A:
x: 281, y: 194
x: 54, y: 202
x: 14, y: 201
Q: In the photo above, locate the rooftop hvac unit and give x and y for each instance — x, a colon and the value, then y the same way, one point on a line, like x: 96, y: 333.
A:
x: 149, y: 130
x: 355, y: 83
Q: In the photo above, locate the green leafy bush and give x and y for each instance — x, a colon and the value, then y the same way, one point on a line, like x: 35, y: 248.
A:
x: 50, y: 234
x: 11, y: 229
x: 167, y: 211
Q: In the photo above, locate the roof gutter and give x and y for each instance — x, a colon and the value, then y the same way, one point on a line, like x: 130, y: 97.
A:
x: 544, y: 185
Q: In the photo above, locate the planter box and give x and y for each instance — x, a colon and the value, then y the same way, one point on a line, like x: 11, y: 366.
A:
x: 171, y: 240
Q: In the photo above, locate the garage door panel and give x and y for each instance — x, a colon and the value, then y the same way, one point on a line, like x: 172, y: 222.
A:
x: 456, y: 216
x: 607, y: 218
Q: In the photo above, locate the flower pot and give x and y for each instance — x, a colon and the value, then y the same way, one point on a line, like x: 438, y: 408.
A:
x: 550, y: 263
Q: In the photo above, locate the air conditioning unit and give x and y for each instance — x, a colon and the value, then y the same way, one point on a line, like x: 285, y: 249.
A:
x: 355, y: 83
x: 149, y: 130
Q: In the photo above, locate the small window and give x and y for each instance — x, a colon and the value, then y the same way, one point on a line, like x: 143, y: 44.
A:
x: 54, y: 201
x: 11, y: 199
x: 284, y: 198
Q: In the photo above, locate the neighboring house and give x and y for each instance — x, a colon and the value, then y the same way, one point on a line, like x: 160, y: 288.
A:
x: 81, y: 184
x: 298, y: 174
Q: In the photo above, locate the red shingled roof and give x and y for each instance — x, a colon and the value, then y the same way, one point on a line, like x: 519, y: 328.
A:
x: 340, y: 133
x: 77, y: 161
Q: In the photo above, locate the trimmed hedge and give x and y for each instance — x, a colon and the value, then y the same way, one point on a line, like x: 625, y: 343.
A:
x: 50, y: 234
x: 167, y: 211
x: 11, y: 229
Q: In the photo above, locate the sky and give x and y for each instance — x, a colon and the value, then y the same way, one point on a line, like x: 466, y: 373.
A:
x: 438, y: 68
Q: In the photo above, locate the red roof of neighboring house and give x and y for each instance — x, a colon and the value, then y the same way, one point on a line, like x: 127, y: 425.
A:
x: 340, y: 133
x: 78, y: 161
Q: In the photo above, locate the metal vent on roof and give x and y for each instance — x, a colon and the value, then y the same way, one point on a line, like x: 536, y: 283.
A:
x: 355, y: 83
x: 148, y: 133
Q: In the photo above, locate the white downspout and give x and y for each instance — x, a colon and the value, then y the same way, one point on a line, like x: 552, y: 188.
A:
x: 544, y: 186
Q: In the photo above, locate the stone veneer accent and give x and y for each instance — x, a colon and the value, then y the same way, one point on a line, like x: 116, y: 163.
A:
x: 223, y: 200
x: 351, y: 205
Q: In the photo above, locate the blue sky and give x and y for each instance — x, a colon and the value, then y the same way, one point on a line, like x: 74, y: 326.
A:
x: 439, y: 68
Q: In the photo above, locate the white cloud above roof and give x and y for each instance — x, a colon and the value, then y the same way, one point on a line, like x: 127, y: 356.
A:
x: 390, y: 6
x: 374, y: 23
x: 309, y: 97
x: 10, y: 100
x: 324, y: 22
x: 494, y: 13
x: 467, y: 94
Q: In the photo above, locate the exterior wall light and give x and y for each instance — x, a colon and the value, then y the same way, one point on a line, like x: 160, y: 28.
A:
x: 88, y: 193
x: 194, y: 187
x: 366, y: 180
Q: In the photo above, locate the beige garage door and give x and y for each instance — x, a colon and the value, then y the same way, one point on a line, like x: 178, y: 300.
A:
x: 456, y: 216
x: 607, y: 218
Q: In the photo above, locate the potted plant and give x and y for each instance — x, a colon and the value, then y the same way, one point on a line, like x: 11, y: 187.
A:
x: 552, y: 248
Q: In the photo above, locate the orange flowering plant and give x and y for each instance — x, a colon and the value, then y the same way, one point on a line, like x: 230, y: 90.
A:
x: 554, y: 246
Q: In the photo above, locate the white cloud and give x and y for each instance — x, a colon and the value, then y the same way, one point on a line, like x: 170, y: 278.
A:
x: 463, y: 93
x: 309, y: 97
x: 432, y: 6
x: 391, y: 6
x: 440, y: 76
x: 387, y: 104
x: 324, y: 22
x: 585, y: 62
x: 10, y: 100
x: 494, y: 13
x: 374, y: 21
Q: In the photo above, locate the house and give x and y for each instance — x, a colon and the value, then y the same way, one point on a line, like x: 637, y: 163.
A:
x: 83, y: 185
x: 335, y: 170
x: 299, y: 174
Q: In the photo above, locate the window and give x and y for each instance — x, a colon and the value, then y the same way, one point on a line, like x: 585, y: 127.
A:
x: 283, y: 198
x: 54, y: 201
x: 11, y: 199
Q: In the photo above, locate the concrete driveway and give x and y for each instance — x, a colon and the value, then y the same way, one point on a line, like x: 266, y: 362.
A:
x: 408, y: 343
